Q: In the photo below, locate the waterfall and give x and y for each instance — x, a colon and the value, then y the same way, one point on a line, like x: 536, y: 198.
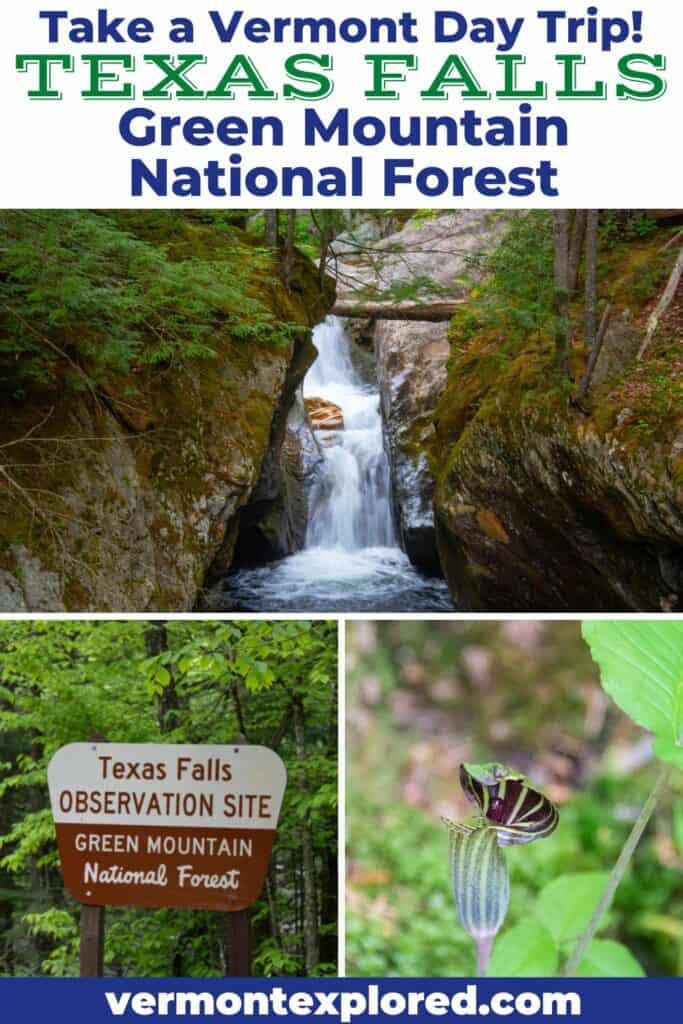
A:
x: 350, y: 504
x: 351, y: 560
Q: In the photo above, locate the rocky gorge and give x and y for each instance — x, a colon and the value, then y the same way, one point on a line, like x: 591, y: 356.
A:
x: 390, y: 452
x: 523, y: 499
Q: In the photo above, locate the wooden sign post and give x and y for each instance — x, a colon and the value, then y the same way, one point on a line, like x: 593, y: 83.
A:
x: 92, y: 941
x: 164, y: 825
x: 238, y: 945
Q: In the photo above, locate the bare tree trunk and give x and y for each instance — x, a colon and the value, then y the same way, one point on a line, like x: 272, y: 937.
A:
x: 288, y: 257
x: 575, y: 247
x: 237, y: 704
x: 591, y: 278
x: 328, y: 906
x: 663, y: 304
x: 272, y: 228
x: 329, y: 911
x: 595, y: 352
x: 156, y: 638
x: 561, y: 286
x: 326, y: 236
x: 168, y: 705
x: 272, y: 907
x: 310, y: 929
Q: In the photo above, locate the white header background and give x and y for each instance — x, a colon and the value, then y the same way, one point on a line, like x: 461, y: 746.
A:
x: 69, y: 153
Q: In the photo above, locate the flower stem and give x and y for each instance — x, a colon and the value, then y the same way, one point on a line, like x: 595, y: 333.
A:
x: 484, y: 946
x: 618, y: 872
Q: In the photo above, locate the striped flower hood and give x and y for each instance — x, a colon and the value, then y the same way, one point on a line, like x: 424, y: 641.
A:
x: 518, y: 812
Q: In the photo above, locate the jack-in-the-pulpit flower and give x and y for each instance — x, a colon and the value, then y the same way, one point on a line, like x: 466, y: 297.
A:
x: 481, y: 887
x: 509, y: 803
x: 511, y: 812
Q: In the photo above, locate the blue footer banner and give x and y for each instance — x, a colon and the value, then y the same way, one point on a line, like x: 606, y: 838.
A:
x: 342, y: 1000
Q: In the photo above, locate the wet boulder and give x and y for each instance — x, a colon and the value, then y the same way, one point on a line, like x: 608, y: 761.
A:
x: 411, y: 362
x: 544, y: 507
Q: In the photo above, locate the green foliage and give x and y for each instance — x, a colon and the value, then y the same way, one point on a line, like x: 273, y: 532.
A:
x: 562, y: 909
x: 669, y: 750
x: 82, y: 295
x: 516, y: 297
x: 313, y: 230
x: 60, y: 930
x: 617, y: 226
x: 642, y: 669
x: 565, y: 905
x: 406, y: 924
x: 641, y: 666
x: 417, y: 288
x: 607, y: 959
x: 664, y: 401
x: 400, y: 917
x: 526, y: 951
x: 62, y: 682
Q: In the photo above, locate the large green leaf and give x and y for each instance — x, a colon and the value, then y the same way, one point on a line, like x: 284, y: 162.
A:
x: 526, y: 951
x: 607, y: 959
x: 566, y: 904
x: 641, y: 665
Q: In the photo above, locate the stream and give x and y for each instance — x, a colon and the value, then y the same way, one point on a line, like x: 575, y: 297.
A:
x: 351, y: 560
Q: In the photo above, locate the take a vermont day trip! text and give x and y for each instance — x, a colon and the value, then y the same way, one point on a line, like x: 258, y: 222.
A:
x: 447, y: 60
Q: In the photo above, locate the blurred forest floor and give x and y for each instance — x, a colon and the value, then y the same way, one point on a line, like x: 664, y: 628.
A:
x: 424, y: 696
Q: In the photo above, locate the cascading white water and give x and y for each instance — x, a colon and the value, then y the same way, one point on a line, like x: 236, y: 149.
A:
x: 350, y: 503
x: 352, y: 560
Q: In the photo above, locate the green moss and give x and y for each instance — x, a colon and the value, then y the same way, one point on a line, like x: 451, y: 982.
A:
x: 418, y: 439
x: 677, y: 471
x: 631, y: 274
x: 499, y: 382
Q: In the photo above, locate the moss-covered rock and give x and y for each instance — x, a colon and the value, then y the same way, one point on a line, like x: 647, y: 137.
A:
x: 123, y: 497
x: 411, y: 370
x: 541, y: 506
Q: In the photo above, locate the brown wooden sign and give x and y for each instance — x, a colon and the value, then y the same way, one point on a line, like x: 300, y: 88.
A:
x: 162, y: 825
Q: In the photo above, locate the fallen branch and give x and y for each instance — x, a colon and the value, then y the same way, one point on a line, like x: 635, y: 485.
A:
x: 594, y: 354
x: 31, y: 431
x: 664, y: 302
x: 672, y: 241
x: 435, y: 312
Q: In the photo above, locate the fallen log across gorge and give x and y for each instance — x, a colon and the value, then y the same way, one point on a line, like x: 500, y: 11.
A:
x: 434, y: 312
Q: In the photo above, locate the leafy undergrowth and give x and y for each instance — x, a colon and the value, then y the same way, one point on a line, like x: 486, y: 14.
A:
x: 644, y: 406
x: 401, y: 920
x: 85, y: 294
x: 423, y: 698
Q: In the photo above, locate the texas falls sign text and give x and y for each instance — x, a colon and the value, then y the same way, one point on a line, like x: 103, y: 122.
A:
x: 163, y: 825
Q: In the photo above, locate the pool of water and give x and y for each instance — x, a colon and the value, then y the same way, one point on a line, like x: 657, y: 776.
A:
x: 379, y: 579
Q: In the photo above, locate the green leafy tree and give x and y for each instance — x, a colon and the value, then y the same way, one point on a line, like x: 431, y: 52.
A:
x: 86, y: 294
x: 190, y: 682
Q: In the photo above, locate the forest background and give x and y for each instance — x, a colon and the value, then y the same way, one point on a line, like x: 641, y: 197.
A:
x: 269, y: 683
